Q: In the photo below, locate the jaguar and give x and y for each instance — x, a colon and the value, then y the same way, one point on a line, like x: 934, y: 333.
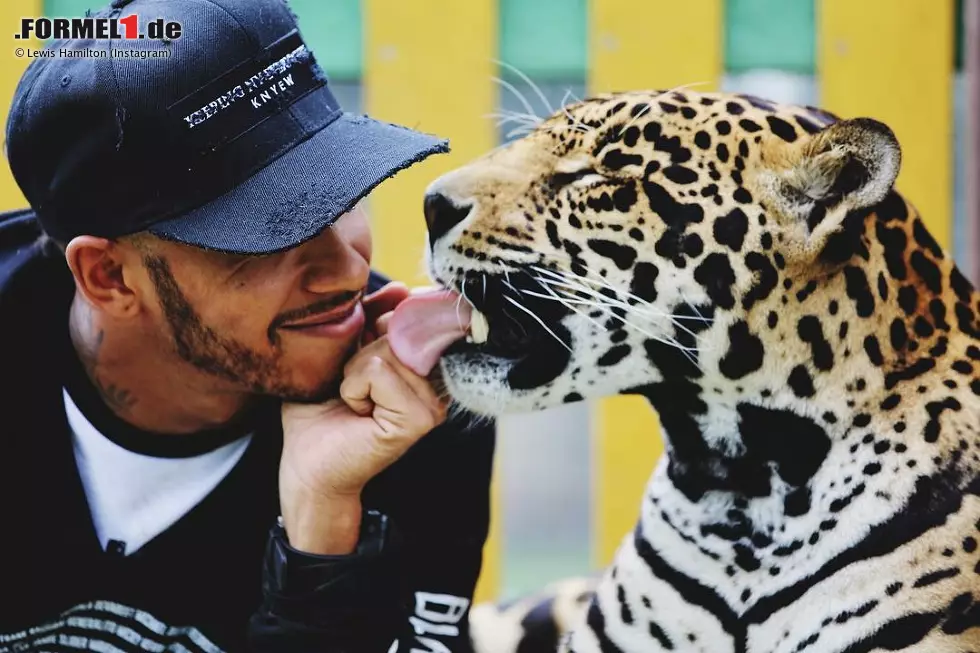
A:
x: 750, y: 268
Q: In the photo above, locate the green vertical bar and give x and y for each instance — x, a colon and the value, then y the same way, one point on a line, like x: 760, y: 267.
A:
x: 544, y: 39
x: 332, y: 29
x: 775, y: 34
x: 70, y: 8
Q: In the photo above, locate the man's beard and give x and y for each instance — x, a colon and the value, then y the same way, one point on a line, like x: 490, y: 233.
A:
x: 221, y: 356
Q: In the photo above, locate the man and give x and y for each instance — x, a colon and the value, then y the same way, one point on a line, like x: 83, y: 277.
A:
x: 206, y: 442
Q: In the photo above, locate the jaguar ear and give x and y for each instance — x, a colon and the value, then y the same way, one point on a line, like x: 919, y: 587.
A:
x: 815, y: 182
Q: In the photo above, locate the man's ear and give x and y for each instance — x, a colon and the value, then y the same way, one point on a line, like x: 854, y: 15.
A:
x: 99, y: 268
x: 813, y: 183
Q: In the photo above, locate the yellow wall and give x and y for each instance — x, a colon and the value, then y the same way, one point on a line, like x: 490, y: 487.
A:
x: 429, y: 65
x: 893, y: 60
x: 11, y: 68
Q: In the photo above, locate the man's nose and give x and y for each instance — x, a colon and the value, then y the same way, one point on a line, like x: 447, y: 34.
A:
x: 442, y: 214
x: 332, y: 264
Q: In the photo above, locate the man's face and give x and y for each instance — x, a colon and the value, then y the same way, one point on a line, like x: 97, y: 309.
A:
x: 282, y: 324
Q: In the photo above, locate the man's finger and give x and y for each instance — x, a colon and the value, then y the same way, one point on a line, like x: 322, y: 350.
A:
x: 393, y: 402
x: 384, y: 300
x: 381, y: 348
x: 381, y: 324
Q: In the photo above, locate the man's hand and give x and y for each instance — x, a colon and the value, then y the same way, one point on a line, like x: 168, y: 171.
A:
x: 331, y: 450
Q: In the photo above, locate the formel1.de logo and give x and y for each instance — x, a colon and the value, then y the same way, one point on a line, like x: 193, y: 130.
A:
x: 98, y: 28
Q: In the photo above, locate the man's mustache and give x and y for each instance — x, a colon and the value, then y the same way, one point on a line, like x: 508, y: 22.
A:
x: 312, y: 309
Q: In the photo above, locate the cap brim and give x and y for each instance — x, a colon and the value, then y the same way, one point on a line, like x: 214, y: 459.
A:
x: 299, y: 194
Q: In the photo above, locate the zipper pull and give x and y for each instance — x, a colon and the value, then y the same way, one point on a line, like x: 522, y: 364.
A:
x: 116, y: 548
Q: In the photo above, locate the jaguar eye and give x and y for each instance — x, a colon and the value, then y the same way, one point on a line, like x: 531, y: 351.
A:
x: 561, y: 179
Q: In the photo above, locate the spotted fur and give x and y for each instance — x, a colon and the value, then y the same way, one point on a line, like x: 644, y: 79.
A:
x: 811, y: 351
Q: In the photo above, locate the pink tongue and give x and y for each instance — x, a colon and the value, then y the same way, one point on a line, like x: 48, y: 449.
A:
x: 425, y: 325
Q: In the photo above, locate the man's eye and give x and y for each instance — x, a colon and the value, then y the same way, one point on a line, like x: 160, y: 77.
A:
x: 234, y: 262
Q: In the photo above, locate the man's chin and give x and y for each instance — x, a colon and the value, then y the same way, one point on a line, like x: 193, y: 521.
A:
x: 316, y: 385
x: 326, y: 392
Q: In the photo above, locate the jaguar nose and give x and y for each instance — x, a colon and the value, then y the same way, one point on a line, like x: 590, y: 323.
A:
x: 442, y: 214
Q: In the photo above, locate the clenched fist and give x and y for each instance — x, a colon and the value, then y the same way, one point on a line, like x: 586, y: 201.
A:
x: 331, y: 450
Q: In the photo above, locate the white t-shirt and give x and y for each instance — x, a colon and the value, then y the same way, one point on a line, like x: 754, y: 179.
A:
x: 134, y: 497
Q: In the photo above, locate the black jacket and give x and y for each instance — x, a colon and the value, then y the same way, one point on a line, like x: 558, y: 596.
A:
x: 200, y: 584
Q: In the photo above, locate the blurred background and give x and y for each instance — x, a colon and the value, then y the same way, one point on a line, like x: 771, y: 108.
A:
x: 568, y: 482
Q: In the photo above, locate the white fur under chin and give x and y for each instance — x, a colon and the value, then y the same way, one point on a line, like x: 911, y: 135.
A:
x: 479, y: 385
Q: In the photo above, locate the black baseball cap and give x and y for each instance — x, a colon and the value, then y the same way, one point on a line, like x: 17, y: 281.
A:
x: 234, y: 142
